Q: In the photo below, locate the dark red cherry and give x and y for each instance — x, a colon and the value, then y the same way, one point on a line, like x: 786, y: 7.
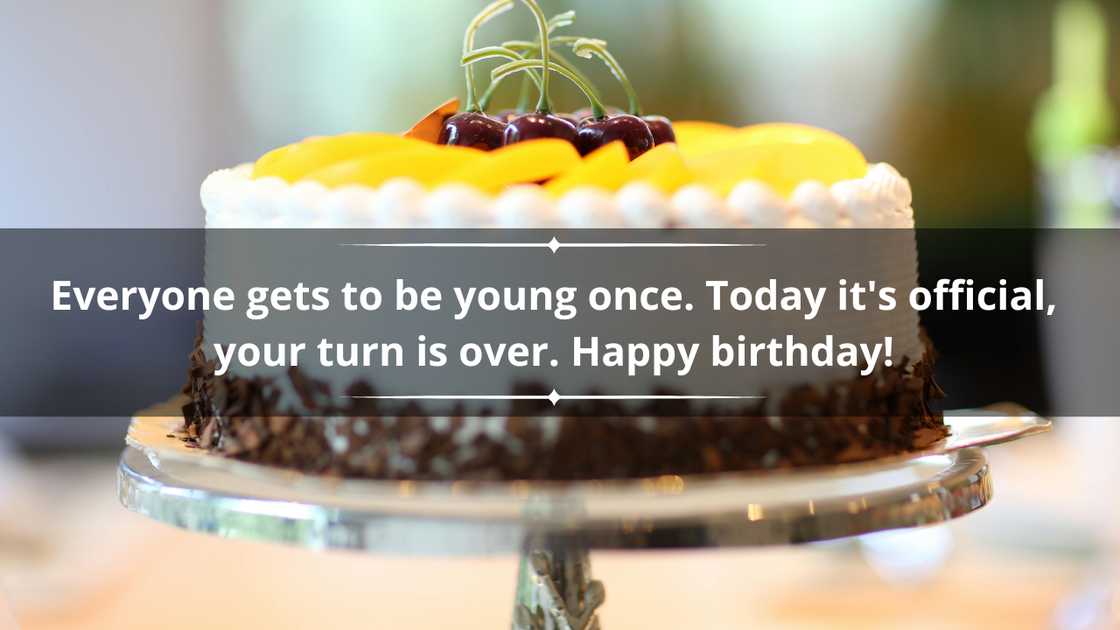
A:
x: 538, y: 125
x: 631, y: 130
x: 661, y: 128
x: 472, y: 129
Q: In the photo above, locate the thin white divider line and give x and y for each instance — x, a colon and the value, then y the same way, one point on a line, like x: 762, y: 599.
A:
x: 553, y: 245
x: 555, y: 397
x: 450, y: 397
x: 546, y: 397
x: 659, y: 397
x: 506, y: 245
x: 652, y: 245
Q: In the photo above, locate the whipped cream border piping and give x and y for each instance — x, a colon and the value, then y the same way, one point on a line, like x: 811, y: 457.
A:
x: 232, y: 199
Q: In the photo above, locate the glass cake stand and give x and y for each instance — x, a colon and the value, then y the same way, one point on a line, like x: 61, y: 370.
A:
x: 554, y: 526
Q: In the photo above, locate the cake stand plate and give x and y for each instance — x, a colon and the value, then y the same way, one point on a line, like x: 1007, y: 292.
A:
x: 554, y: 525
x: 171, y: 481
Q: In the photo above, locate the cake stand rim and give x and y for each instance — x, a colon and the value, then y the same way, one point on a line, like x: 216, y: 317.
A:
x: 963, y: 435
x: 962, y: 486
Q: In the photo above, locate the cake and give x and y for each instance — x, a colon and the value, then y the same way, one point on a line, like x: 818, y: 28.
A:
x: 537, y: 169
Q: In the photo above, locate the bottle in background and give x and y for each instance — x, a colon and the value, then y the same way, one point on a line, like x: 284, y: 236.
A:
x: 1075, y: 124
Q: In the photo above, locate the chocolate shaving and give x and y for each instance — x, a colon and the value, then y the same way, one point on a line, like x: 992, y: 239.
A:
x: 886, y: 413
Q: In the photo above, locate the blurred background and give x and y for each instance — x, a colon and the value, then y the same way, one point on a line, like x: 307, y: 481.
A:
x: 1001, y: 113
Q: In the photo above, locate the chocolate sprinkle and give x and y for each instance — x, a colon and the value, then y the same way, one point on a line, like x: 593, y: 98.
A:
x: 864, y: 418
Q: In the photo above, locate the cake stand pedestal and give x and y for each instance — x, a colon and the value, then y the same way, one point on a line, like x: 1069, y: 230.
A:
x: 554, y: 526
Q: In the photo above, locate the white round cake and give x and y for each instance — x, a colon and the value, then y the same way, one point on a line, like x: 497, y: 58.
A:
x: 237, y: 412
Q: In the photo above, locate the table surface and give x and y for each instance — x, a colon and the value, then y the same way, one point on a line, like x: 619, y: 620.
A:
x: 70, y: 556
x: 100, y: 566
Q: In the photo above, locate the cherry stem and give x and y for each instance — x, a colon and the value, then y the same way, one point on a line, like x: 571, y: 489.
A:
x: 561, y: 20
x: 558, y: 21
x: 530, y: 47
x: 523, y: 97
x: 501, y: 72
x: 586, y: 48
x: 491, y: 11
x: 544, y: 105
x: 495, y: 52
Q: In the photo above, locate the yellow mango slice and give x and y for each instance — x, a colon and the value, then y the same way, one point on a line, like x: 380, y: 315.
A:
x: 520, y: 163
x: 691, y: 129
x: 426, y: 163
x: 780, y: 155
x: 604, y: 168
x: 789, y: 132
x: 694, y: 135
x: 295, y: 161
x: 663, y: 167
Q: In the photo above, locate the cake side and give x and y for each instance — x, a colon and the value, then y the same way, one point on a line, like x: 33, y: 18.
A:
x: 879, y: 199
x: 255, y: 419
x: 290, y: 418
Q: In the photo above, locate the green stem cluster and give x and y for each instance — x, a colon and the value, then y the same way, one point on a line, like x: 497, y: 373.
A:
x: 544, y: 105
x: 523, y: 50
x: 529, y: 48
x: 538, y: 70
x: 497, y: 52
x: 499, y: 73
x: 586, y: 48
x: 491, y: 11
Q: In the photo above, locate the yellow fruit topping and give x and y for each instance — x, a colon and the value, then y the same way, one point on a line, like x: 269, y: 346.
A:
x: 425, y: 163
x: 603, y: 168
x: 780, y: 155
x: 520, y: 163
x: 296, y: 161
x: 695, y: 134
x: 662, y: 167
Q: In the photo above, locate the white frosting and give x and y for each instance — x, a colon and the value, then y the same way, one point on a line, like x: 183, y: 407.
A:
x: 802, y: 222
x: 300, y: 205
x: 816, y: 203
x: 759, y: 206
x: 398, y: 203
x: 697, y: 205
x: 525, y: 207
x: 589, y: 208
x: 643, y: 206
x: 889, y: 186
x: 349, y: 206
x: 881, y: 199
x: 457, y: 206
x: 857, y: 203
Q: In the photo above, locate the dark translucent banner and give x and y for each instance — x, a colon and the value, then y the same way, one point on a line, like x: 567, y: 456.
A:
x: 817, y: 323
